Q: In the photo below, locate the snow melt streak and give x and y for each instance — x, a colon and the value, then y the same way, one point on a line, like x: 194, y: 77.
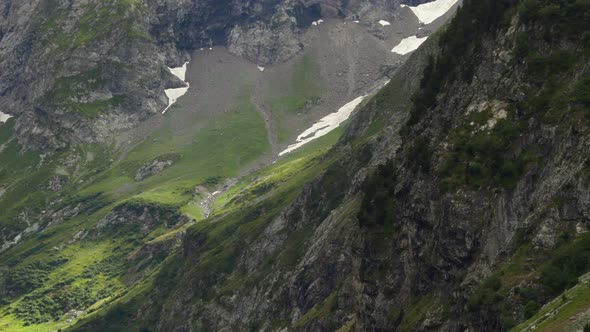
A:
x: 408, y: 45
x: 325, y: 125
x: 429, y: 12
x: 174, y: 94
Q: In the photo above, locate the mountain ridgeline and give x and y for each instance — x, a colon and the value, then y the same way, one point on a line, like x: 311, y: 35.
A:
x: 456, y: 198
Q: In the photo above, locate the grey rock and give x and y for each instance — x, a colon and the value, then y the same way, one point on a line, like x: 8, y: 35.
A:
x: 152, y: 168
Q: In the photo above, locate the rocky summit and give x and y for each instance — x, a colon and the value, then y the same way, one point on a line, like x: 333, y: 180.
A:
x: 295, y: 165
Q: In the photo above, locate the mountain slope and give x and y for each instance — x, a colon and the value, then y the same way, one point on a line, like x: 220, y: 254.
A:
x: 456, y: 198
x: 465, y: 206
x: 98, y: 188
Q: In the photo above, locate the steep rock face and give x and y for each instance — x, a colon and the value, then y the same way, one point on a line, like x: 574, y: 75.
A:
x: 64, y: 67
x: 400, y: 232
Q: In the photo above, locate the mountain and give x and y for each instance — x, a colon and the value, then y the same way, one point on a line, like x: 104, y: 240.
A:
x: 455, y: 198
x: 95, y: 68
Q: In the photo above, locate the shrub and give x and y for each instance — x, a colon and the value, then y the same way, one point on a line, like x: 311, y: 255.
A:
x: 22, y: 280
x: 378, y: 206
x: 486, y: 295
x: 531, y: 308
x: 566, y: 265
x: 483, y: 159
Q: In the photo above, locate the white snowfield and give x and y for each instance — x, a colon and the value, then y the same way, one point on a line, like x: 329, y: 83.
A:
x: 325, y: 125
x: 384, y: 23
x: 174, y: 94
x: 4, y: 117
x: 179, y: 72
x: 408, y: 45
x: 429, y: 12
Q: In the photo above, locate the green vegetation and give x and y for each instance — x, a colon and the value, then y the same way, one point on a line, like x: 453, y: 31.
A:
x: 22, y: 180
x: 107, y: 270
x: 555, y: 100
x: 477, y: 159
x: 486, y: 294
x: 490, y: 157
x: 378, y: 206
x: 298, y: 93
x: 29, y: 277
x: 114, y: 19
x: 566, y: 265
x: 547, y: 275
x: 459, y: 44
x: 70, y: 92
x: 417, y: 312
x: 98, y: 272
x: 561, y: 19
x: 240, y: 139
x: 563, y: 313
x: 302, y: 88
x: 99, y: 20
x: 481, y: 158
x: 44, y: 306
x: 321, y: 310
x: 220, y: 240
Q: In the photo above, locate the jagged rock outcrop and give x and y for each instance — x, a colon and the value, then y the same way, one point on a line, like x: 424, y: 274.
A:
x: 155, y: 166
x: 139, y: 216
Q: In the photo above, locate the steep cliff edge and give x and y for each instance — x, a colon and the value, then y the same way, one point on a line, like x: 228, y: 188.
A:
x: 463, y: 207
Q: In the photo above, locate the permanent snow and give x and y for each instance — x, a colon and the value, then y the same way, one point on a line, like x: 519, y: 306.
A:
x: 384, y: 23
x: 408, y: 45
x: 325, y: 125
x: 174, y: 94
x: 4, y: 117
x: 429, y: 12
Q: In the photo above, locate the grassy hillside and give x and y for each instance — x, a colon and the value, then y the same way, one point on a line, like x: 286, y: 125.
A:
x: 78, y: 267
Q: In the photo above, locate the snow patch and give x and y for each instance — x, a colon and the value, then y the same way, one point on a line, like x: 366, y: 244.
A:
x: 179, y: 72
x: 4, y: 117
x: 318, y: 22
x: 429, y: 12
x: 408, y: 45
x: 384, y: 23
x: 325, y: 125
x: 174, y: 94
